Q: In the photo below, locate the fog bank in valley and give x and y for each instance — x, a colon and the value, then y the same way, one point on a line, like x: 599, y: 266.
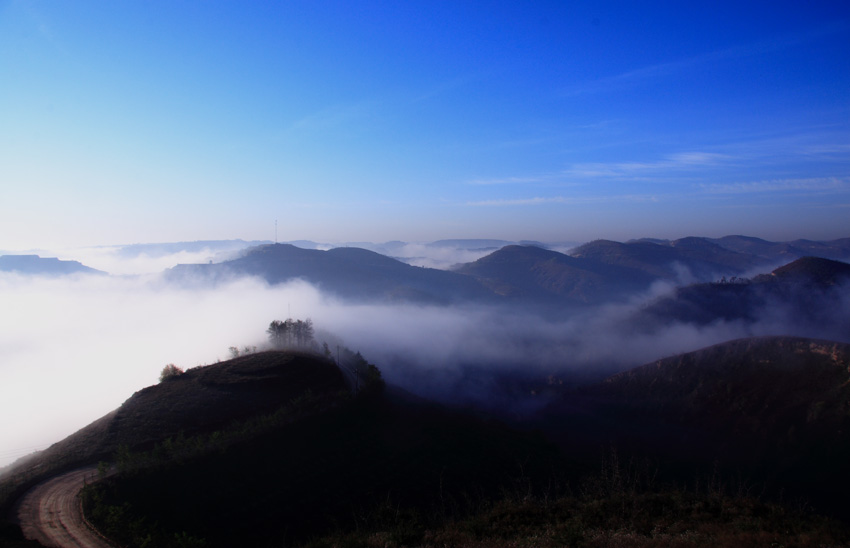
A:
x: 74, y: 348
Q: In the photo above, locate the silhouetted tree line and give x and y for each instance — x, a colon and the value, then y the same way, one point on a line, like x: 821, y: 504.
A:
x: 291, y: 334
x: 733, y: 280
x: 364, y: 376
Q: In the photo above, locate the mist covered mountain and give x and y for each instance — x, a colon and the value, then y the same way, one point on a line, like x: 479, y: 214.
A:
x: 596, y: 272
x: 347, y: 272
x: 809, y: 295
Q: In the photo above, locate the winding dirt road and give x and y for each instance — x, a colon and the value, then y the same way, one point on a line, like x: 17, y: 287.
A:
x: 50, y: 512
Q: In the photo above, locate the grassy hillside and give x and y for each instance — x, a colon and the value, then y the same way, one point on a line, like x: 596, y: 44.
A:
x: 332, y: 470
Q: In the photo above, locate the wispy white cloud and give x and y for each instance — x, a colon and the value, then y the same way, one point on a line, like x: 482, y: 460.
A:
x: 572, y: 175
x: 567, y: 200
x: 676, y: 162
x: 513, y: 180
x: 815, y: 184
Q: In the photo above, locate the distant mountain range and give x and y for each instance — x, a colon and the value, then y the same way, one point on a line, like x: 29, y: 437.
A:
x: 43, y: 266
x: 596, y: 272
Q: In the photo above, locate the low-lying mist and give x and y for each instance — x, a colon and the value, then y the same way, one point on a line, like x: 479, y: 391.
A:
x: 74, y: 348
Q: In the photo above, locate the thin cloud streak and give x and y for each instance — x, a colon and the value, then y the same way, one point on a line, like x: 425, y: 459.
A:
x: 566, y: 200
x: 817, y: 184
x: 634, y: 77
x: 672, y: 162
x: 676, y: 162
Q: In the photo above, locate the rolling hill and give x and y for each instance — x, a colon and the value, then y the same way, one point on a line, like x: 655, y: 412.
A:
x: 686, y: 259
x: 348, y: 272
x: 536, y: 274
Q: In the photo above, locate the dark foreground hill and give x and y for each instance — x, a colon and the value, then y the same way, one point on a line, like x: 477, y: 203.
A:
x: 329, y: 467
x: 391, y: 471
x: 202, y: 399
x: 275, y: 446
x: 774, y: 409
x: 273, y: 449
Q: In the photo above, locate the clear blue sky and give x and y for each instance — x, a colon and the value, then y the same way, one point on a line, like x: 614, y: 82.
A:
x: 126, y: 122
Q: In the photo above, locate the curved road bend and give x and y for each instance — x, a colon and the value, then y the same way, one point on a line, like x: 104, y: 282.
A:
x: 50, y: 512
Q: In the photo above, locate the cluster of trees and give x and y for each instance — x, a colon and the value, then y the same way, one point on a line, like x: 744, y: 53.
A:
x: 291, y: 334
x: 170, y: 371
x: 733, y: 280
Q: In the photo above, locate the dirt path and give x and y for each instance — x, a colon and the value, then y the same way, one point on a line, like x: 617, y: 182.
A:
x: 50, y: 512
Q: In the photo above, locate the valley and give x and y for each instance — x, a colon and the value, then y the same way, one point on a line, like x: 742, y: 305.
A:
x: 541, y: 383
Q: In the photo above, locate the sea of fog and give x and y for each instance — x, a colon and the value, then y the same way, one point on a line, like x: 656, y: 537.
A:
x: 74, y: 348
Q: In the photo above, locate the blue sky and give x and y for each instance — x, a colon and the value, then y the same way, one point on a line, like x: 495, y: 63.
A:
x: 125, y: 122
